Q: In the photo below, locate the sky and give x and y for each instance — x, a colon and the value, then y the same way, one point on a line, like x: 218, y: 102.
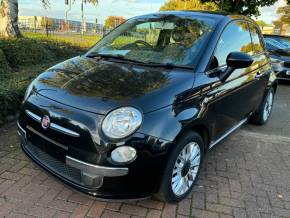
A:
x: 125, y: 8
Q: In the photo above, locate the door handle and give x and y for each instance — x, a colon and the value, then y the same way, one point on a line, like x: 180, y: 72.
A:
x: 259, y: 74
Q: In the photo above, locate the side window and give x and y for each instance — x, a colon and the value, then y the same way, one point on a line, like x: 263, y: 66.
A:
x: 236, y: 37
x: 257, y: 43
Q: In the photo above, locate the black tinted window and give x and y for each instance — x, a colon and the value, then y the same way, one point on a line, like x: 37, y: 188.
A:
x: 257, y: 44
x: 236, y: 37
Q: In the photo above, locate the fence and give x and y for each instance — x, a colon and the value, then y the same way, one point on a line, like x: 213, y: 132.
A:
x: 59, y: 26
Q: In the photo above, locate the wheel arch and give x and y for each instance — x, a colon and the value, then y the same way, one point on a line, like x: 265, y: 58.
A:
x: 201, y: 129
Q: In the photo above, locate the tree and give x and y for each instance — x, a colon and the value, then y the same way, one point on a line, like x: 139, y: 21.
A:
x: 278, y: 25
x: 9, y: 17
x: 113, y: 21
x: 262, y: 24
x: 94, y: 2
x: 187, y: 5
x: 47, y: 22
x: 242, y: 6
x: 284, y: 12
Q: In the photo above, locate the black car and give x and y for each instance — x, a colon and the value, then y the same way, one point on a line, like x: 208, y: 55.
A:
x: 134, y: 116
x: 279, y: 49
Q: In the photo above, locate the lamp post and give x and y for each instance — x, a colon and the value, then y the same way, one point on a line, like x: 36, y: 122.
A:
x: 83, y: 18
x: 67, y: 2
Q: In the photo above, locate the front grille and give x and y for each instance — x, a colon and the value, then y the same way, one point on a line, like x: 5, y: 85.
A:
x: 64, y: 137
x: 46, y: 146
x: 54, y: 164
x: 52, y: 156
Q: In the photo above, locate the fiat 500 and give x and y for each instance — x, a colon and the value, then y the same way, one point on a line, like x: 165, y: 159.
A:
x: 135, y: 115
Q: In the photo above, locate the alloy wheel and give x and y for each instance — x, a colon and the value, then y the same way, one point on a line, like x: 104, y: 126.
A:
x: 268, y: 106
x: 185, y: 169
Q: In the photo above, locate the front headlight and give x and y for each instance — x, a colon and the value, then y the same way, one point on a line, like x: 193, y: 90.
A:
x: 122, y: 122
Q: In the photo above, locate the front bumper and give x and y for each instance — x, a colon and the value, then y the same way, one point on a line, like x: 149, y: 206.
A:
x: 85, y: 176
x: 73, y: 151
x: 112, y: 183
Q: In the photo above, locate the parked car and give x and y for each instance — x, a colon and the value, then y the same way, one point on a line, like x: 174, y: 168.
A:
x: 134, y: 116
x: 279, y: 49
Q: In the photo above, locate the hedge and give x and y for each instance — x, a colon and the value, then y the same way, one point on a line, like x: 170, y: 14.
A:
x: 4, y: 66
x: 21, y: 60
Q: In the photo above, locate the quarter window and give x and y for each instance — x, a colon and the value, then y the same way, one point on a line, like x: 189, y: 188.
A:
x: 256, y: 38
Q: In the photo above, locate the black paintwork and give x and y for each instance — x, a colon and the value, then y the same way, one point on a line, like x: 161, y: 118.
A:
x: 78, y: 93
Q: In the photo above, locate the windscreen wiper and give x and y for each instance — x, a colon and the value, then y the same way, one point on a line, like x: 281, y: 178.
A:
x: 169, y: 65
x: 150, y: 64
x: 96, y: 55
x: 116, y: 56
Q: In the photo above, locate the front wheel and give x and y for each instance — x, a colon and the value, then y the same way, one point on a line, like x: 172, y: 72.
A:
x: 182, y: 168
x: 263, y: 114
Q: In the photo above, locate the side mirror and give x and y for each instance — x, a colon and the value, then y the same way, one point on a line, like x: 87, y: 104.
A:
x: 235, y: 60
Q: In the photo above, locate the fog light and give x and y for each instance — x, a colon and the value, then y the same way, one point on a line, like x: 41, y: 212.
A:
x: 124, y: 154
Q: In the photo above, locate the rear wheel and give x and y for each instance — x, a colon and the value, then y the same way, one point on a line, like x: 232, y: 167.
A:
x: 182, y: 168
x: 263, y: 114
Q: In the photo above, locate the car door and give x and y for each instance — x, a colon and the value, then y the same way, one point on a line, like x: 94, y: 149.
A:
x: 230, y: 102
x: 261, y: 66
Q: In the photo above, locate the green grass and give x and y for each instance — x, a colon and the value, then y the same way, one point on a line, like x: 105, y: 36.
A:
x: 73, y: 40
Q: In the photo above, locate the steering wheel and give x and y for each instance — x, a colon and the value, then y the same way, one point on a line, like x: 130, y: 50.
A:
x: 143, y: 43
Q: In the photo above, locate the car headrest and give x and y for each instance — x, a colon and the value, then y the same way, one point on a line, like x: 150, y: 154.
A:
x: 178, y: 34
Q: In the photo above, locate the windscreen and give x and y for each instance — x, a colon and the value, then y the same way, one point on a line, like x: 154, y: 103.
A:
x: 162, y: 40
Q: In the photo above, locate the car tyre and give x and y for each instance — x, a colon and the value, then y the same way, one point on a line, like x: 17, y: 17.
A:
x: 264, y: 111
x: 182, y: 168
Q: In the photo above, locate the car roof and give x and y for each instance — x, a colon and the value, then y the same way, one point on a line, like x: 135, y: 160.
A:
x: 206, y: 14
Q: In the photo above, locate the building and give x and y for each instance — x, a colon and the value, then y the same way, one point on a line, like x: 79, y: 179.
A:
x: 267, y: 29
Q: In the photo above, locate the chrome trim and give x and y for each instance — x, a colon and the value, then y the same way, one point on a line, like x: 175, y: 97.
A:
x: 228, y: 133
x: 63, y: 130
x: 96, y: 169
x: 281, y: 78
x: 47, y: 139
x: 18, y: 125
x: 33, y: 116
x: 53, y: 125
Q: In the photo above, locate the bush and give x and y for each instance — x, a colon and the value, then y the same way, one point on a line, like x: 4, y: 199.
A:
x: 10, y: 101
x: 4, y: 66
x: 21, y: 60
x: 27, y: 52
x: 12, y: 89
